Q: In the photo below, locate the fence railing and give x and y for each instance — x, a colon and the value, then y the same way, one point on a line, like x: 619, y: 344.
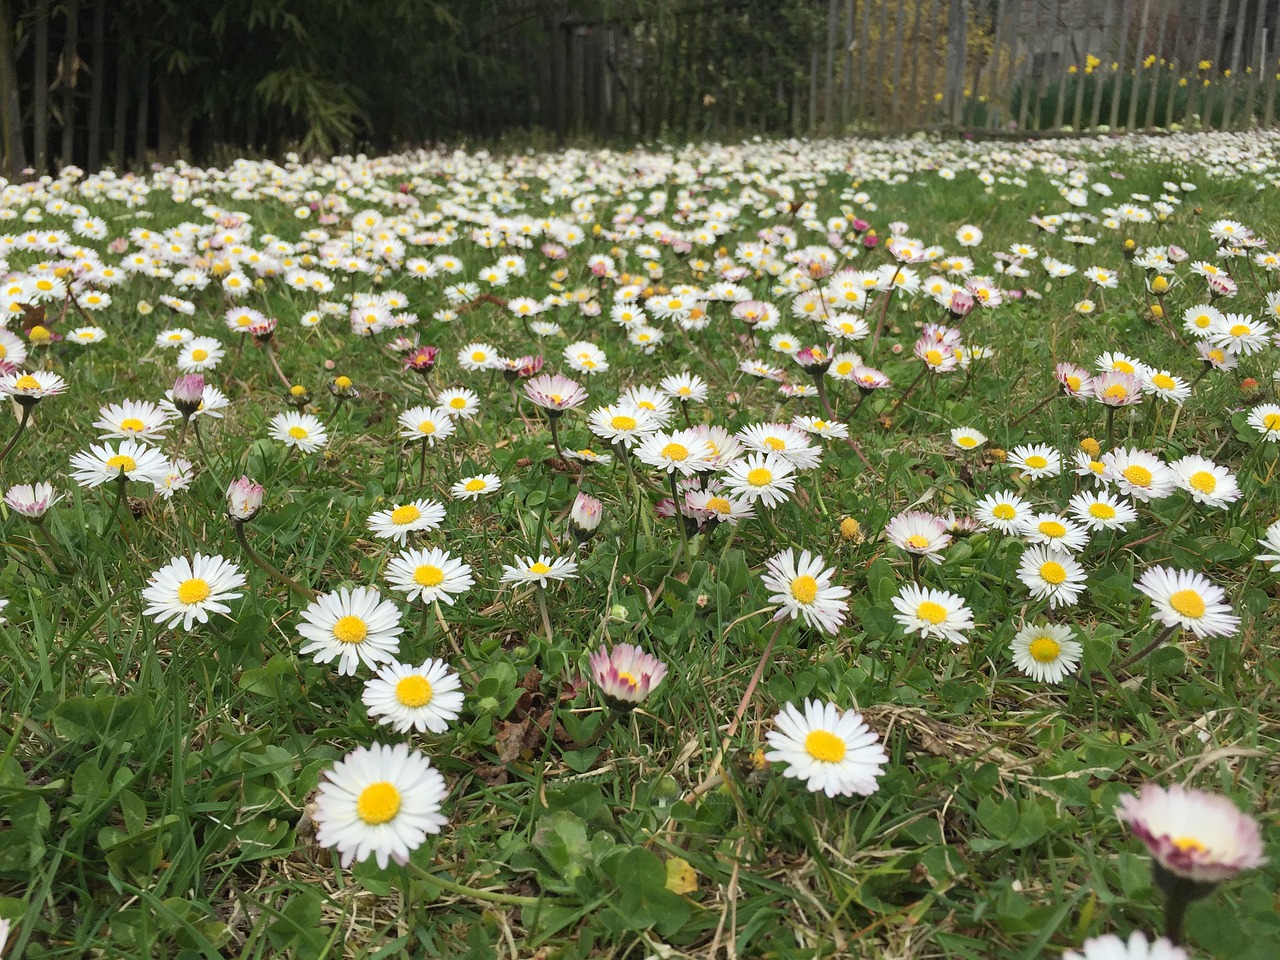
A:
x: 73, y: 90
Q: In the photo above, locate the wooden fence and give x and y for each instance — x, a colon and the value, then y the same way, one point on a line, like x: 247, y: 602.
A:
x: 636, y: 70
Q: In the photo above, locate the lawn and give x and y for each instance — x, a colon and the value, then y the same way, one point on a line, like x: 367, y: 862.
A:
x: 1014, y: 400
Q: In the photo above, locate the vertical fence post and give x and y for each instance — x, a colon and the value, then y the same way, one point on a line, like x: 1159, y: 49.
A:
x: 69, y: 75
x: 993, y: 65
x: 15, y: 154
x: 1138, y: 56
x: 1119, y: 58
x: 1229, y: 86
x: 895, y: 116
x: 1155, y: 83
x: 1197, y: 54
x: 40, y: 95
x: 829, y: 88
x: 140, y: 132
x: 1215, y: 63
x: 846, y: 66
x: 99, y: 78
x: 957, y: 47
x: 934, y: 87
x: 917, y: 53
x: 1273, y: 75
x: 1172, y: 74
x: 1258, y: 57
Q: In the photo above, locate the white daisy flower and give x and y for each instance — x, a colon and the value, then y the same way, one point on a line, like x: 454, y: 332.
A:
x: 622, y: 424
x: 189, y: 590
x: 803, y: 587
x: 1207, y: 482
x: 200, y: 354
x: 396, y: 523
x: 1111, y: 947
x: 380, y: 800
x: 1055, y: 531
x: 1004, y: 511
x: 458, y: 402
x: 830, y: 751
x: 683, y: 451
x: 133, y: 419
x: 352, y: 626
x: 789, y: 442
x: 766, y: 477
x: 1139, y: 474
x: 431, y: 574
x: 967, y: 438
x: 479, y: 356
x: 933, y: 613
x: 426, y: 697
x: 473, y: 488
x: 1052, y: 574
x: 1183, y: 598
x: 426, y: 424
x: 130, y: 459
x: 1036, y: 461
x: 1046, y: 652
x: 1271, y: 541
x: 541, y: 571
x: 298, y: 430
x: 1265, y: 418
x: 1102, y: 510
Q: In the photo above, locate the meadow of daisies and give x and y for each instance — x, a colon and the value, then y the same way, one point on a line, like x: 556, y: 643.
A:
x: 799, y: 549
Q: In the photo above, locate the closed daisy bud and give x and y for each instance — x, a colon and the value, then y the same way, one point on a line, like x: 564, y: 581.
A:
x: 850, y: 529
x: 188, y: 392
x: 584, y: 516
x: 244, y: 499
x: 1092, y: 447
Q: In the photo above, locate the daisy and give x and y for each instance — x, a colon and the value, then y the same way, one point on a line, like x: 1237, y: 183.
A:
x: 555, y: 393
x: 1265, y: 418
x: 479, y: 356
x: 720, y: 507
x: 1076, y: 381
x: 1166, y: 386
x: 1046, y: 652
x: 425, y: 697
x: 177, y: 476
x: 1270, y: 540
x: 133, y: 419
x: 585, y: 357
x: 173, y: 338
x: 1111, y: 947
x: 966, y: 438
x: 352, y: 626
x: 587, y: 455
x: 1052, y: 574
x: 685, y: 387
x: 427, y: 424
x: 682, y: 451
x: 542, y: 571
x: 473, y: 488
x: 622, y: 424
x: 1139, y: 474
x: 379, y: 800
x: 1207, y: 482
x: 803, y: 587
x: 458, y: 402
x: 29, y: 388
x: 1183, y: 598
x: 649, y: 399
x: 766, y: 477
x: 1102, y: 510
x: 1199, y: 836
x: 399, y: 521
x: 827, y: 429
x: 625, y: 675
x: 130, y: 460
x: 933, y: 613
x: 87, y: 335
x: 431, y: 574
x: 12, y: 350
x: 790, y: 443
x: 1116, y: 389
x: 1004, y: 511
x: 1055, y: 531
x: 209, y: 401
x: 298, y: 430
x: 199, y: 354
x: 919, y: 533
x: 1036, y: 461
x: 1200, y: 320
x: 830, y: 751
x: 1239, y: 334
x: 189, y: 590
x: 31, y: 500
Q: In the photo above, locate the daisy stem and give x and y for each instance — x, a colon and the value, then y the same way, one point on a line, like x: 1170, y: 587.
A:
x: 1036, y: 409
x: 422, y: 466
x: 679, y: 517
x: 205, y: 453
x: 820, y: 382
x: 1111, y: 427
x: 471, y: 893
x: 266, y: 567
x: 542, y: 609
x: 605, y: 726
x: 555, y: 437
x: 121, y: 482
x: 22, y: 425
x: 884, y: 309
x: 755, y: 680
x: 1161, y: 637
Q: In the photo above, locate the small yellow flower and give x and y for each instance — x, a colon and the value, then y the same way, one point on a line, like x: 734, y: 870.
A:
x: 1157, y: 311
x: 39, y: 334
x: 1092, y: 447
x: 850, y: 529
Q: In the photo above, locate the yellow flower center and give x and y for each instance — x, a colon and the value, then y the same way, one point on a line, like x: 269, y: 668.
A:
x: 378, y: 803
x: 917, y: 541
x: 342, y: 383
x: 1164, y: 381
x: 474, y: 485
x: 193, y: 591
x: 684, y: 391
x: 26, y: 382
x: 1073, y: 382
x: 630, y: 679
x: 1217, y: 356
x: 414, y: 691
x: 428, y: 575
x: 844, y: 368
x: 773, y: 443
x: 1003, y: 511
x: 298, y: 433
x: 458, y: 403
x: 122, y: 463
x: 966, y: 441
x: 478, y: 356
x: 760, y: 477
x: 825, y: 747
x: 297, y: 390
x: 1124, y: 366
x: 1204, y: 481
x: 350, y: 629
x: 719, y: 505
x: 931, y: 612
x: 1103, y: 511
x: 933, y: 357
x: 406, y: 514
x: 132, y: 424
x: 1052, y: 528
x: 243, y: 321
x: 622, y: 422
x: 675, y: 451
x: 1190, y: 845
x: 540, y: 568
x: 1188, y: 603
x: 1036, y: 462
x: 1053, y: 572
x: 804, y: 589
x: 1203, y: 320
x: 199, y: 355
x: 1271, y: 421
x: 1239, y: 329
x: 427, y: 427
x: 39, y: 334
x: 1115, y: 392
x: 1138, y: 476
x: 1044, y: 649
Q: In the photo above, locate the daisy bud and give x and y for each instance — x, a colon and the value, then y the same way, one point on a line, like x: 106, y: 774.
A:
x: 961, y: 303
x: 188, y: 393
x: 1091, y: 447
x: 244, y: 499
x: 850, y: 529
x: 584, y: 516
x: 343, y: 388
x: 870, y: 241
x: 859, y: 226
x: 625, y: 675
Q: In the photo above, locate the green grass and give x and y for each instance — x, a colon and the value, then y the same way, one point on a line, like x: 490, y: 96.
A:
x: 154, y: 783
